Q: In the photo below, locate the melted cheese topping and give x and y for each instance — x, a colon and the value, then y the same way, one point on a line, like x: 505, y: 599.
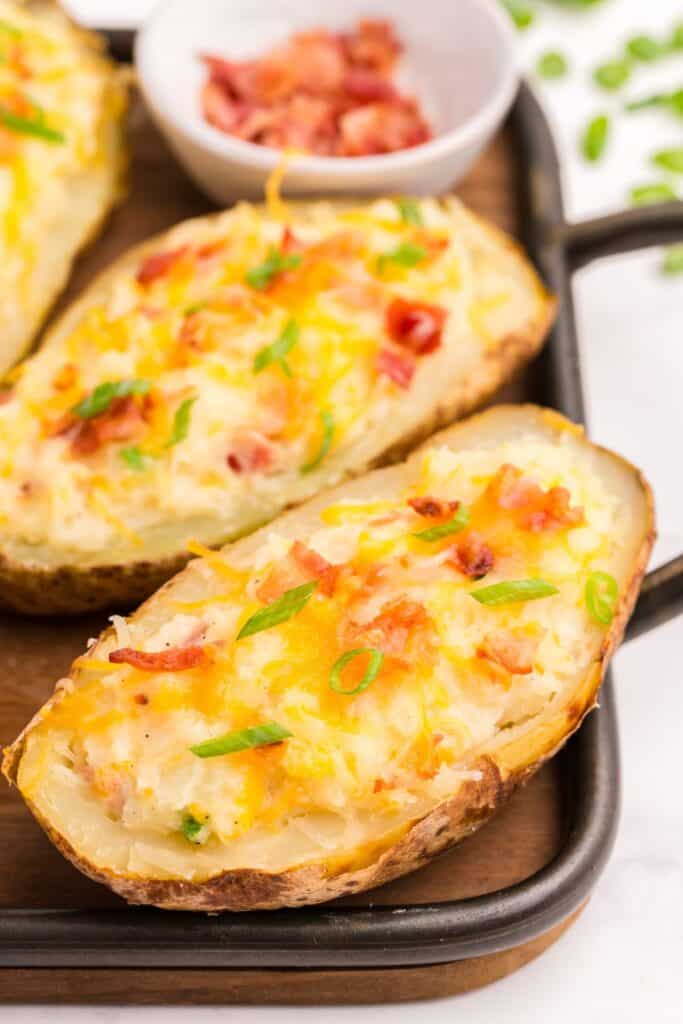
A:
x: 384, y: 755
x: 193, y: 329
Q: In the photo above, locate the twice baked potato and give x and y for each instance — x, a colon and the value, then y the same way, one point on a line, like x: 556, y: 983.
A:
x: 235, y: 366
x: 328, y: 703
x: 62, y: 108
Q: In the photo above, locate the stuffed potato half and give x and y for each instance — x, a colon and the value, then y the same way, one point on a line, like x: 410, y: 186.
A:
x: 327, y: 704
x: 237, y: 365
x: 62, y: 158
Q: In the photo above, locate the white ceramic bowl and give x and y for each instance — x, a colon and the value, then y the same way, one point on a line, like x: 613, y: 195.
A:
x: 460, y: 61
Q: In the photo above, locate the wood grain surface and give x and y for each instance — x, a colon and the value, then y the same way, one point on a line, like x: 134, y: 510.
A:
x: 33, y: 654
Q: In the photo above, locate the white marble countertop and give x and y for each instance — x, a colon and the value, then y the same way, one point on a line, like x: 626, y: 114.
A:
x: 622, y: 960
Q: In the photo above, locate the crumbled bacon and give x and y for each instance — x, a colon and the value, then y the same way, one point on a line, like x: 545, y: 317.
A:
x: 513, y: 651
x: 174, y: 659
x: 250, y: 452
x: 289, y: 242
x: 532, y: 508
x: 120, y: 421
x: 417, y: 326
x: 433, y: 508
x: 301, y: 565
x: 373, y: 44
x: 381, y: 127
x: 397, y: 366
x: 400, y: 621
x: 471, y: 555
x: 158, y: 264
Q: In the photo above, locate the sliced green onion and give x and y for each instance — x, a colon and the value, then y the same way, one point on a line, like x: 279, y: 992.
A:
x: 192, y: 828
x: 278, y: 611
x: 672, y: 101
x: 30, y: 126
x: 242, y: 739
x: 280, y: 348
x: 595, y: 138
x: 197, y: 307
x: 672, y: 259
x: 644, y: 48
x: 103, y: 395
x: 454, y: 525
x: 612, y: 75
x: 407, y: 254
x: 181, y: 422
x: 669, y: 160
x: 410, y: 212
x: 328, y: 434
x: 646, y: 195
x: 552, y: 65
x: 276, y: 262
x: 136, y: 459
x: 513, y: 592
x: 521, y: 12
x: 676, y: 39
x: 371, y: 673
x: 601, y: 593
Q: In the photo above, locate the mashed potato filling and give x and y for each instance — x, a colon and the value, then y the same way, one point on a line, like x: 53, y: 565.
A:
x: 399, y: 570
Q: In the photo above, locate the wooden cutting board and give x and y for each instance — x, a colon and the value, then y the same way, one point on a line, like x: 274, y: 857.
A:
x: 524, y: 837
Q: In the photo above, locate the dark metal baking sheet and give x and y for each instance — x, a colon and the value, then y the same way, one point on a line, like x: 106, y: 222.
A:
x: 441, y: 932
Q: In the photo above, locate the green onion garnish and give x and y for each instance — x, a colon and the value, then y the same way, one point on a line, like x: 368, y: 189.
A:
x: 407, y: 254
x: 371, y: 673
x: 672, y: 101
x: 601, y: 593
x: 672, y: 259
x: 275, y: 263
x: 595, y: 138
x: 669, y: 160
x: 136, y: 459
x: 192, y: 828
x: 454, y: 525
x: 36, y: 126
x: 242, y: 739
x: 612, y: 75
x: 644, y: 48
x: 521, y: 12
x: 197, y: 307
x: 280, y: 348
x: 181, y: 422
x: 278, y: 611
x: 100, y: 399
x: 646, y: 195
x: 552, y: 65
x: 513, y: 592
x: 410, y: 212
x: 328, y: 434
x: 676, y: 40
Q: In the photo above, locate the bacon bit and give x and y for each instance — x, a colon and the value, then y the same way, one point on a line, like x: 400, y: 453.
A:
x: 289, y: 242
x: 158, y: 264
x: 120, y: 422
x: 415, y: 325
x: 398, y: 622
x: 210, y: 249
x: 381, y: 128
x: 373, y: 44
x: 513, y: 651
x: 382, y: 784
x: 65, y: 377
x: 300, y: 565
x: 433, y: 508
x: 396, y: 366
x: 17, y: 61
x: 368, y: 86
x: 141, y: 698
x: 533, y: 508
x: 174, y: 659
x: 471, y: 555
x: 250, y: 452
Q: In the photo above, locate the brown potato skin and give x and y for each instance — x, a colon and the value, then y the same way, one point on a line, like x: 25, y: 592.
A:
x: 71, y: 589
x: 397, y: 854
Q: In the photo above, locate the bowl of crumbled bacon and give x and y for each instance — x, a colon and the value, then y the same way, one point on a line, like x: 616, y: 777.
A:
x: 368, y: 96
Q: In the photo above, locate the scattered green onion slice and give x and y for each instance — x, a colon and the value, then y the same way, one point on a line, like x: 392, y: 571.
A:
x: 181, y: 422
x: 672, y: 101
x: 601, y: 594
x: 676, y: 39
x: 521, y: 12
x: 136, y: 459
x: 407, y: 254
x: 659, y: 192
x: 552, y: 65
x: 371, y: 673
x: 36, y: 126
x: 328, y: 434
x: 278, y: 611
x: 275, y: 263
x: 672, y: 259
x: 280, y: 348
x: 644, y: 48
x: 513, y: 592
x: 410, y: 212
x: 669, y: 160
x: 192, y: 828
x: 197, y: 307
x: 595, y: 138
x: 103, y: 395
x: 242, y: 739
x: 612, y: 75
x: 454, y: 525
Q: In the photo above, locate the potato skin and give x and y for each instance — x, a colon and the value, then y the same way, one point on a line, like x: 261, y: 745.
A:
x: 71, y: 589
x: 418, y: 842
